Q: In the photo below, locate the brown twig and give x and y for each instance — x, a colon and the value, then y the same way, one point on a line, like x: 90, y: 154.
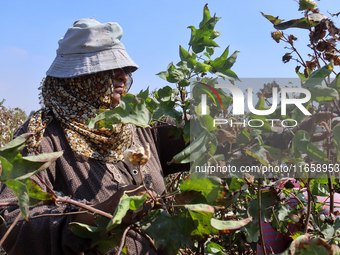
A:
x: 10, y: 229
x: 151, y: 242
x: 123, y: 239
x: 61, y: 200
x: 259, y: 207
x: 309, y: 208
x: 48, y: 187
x: 9, y: 204
x: 330, y: 182
x: 173, y: 181
x: 146, y: 189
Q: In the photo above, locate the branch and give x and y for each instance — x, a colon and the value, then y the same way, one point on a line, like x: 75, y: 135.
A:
x: 123, y: 239
x: 260, y: 226
x: 309, y: 209
x: 61, y: 200
x: 10, y: 229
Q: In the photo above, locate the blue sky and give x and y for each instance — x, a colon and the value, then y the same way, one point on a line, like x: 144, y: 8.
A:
x: 153, y: 31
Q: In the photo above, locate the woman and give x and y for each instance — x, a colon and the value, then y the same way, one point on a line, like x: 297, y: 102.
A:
x: 91, y: 71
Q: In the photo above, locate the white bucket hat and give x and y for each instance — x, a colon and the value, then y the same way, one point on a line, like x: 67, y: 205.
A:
x: 90, y: 47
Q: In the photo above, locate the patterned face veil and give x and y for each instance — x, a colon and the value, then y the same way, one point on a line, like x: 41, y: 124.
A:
x: 73, y: 101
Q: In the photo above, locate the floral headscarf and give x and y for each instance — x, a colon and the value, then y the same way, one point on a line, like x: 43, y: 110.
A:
x: 73, y: 101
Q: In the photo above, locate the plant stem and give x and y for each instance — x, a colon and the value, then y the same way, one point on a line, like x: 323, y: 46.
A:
x: 123, y: 239
x: 259, y: 207
x: 9, y: 204
x: 48, y: 187
x: 330, y: 183
x: 309, y: 208
x: 10, y: 229
x: 84, y: 206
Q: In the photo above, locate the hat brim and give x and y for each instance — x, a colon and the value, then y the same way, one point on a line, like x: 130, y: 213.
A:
x: 74, y: 65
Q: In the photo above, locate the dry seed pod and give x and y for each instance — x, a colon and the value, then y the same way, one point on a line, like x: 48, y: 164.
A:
x: 138, y: 156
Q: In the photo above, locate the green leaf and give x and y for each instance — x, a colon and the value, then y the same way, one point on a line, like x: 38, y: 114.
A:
x: 305, y: 246
x: 320, y: 93
x: 312, y: 21
x: 281, y: 211
x: 125, y: 203
x: 186, y: 132
x: 162, y: 74
x: 97, y: 235
x: 227, y: 74
x: 244, y: 137
x: 34, y: 191
x: 327, y: 231
x: 229, y: 225
x: 192, y: 152
x: 164, y: 94
x: 200, y: 220
x: 221, y: 65
x: 203, y: 37
x: 130, y: 110
x: 20, y: 190
x: 167, y: 232
x: 174, y: 76
x: 184, y: 83
x: 213, y: 249
x: 319, y: 189
x: 143, y: 94
x: 219, y: 61
x: 272, y: 19
x: 186, y: 56
x: 335, y: 84
x: 266, y: 127
x: 211, y: 187
x: 167, y: 109
x: 306, y: 4
x: 336, y: 138
x: 252, y: 232
x: 260, y: 153
x: 200, y: 67
x: 84, y: 231
x: 210, y: 50
x: 21, y: 168
x: 206, y: 16
x: 301, y: 142
x: 207, y: 122
x: 268, y: 199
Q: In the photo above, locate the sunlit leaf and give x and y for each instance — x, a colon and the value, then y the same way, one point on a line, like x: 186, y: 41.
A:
x: 186, y: 56
x: 126, y: 203
x: 34, y: 191
x: 130, y: 110
x: 211, y: 188
x: 206, y: 16
x: 306, y: 4
x: 20, y: 190
x: 230, y: 225
x: 23, y: 167
x: 143, y: 94
x: 272, y: 19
